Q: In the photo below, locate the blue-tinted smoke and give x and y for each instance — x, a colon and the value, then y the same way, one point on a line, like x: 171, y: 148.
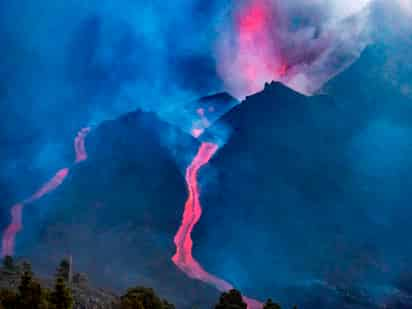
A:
x: 68, y: 65
x: 75, y: 63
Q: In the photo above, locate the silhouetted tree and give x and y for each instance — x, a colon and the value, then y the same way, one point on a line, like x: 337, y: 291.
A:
x: 61, y: 297
x: 25, y: 283
x: 271, y: 305
x: 63, y: 270
x: 143, y: 298
x: 8, y: 263
x: 26, y: 267
x: 8, y: 299
x: 167, y: 305
x: 31, y: 294
x: 231, y: 300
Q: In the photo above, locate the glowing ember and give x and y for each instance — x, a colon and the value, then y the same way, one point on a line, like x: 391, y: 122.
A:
x: 200, y: 124
x: 16, y: 224
x: 201, y: 112
x: 196, y: 132
x: 14, y: 227
x: 79, y: 147
x: 183, y: 257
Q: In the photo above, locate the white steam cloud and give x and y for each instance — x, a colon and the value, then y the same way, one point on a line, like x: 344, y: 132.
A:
x: 298, y: 42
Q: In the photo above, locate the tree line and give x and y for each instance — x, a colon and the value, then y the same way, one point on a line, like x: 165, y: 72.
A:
x: 30, y: 294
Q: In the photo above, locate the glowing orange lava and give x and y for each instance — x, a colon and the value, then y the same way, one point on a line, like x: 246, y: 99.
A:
x: 183, y: 257
x: 79, y: 146
x: 16, y: 224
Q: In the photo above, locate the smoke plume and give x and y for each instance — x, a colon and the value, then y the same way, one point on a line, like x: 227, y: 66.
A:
x: 301, y: 43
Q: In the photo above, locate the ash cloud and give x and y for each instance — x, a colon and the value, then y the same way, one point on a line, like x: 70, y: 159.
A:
x: 74, y: 64
x: 71, y: 64
x: 68, y: 65
x: 83, y: 62
x: 300, y: 43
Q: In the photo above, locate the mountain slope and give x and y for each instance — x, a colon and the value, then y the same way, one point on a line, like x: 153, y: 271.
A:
x: 117, y: 212
x: 303, y: 192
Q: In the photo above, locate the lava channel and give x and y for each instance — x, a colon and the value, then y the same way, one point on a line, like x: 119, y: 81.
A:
x: 183, y: 257
x: 16, y: 212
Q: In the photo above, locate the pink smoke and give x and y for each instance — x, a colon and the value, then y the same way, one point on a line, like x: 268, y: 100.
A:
x: 262, y: 43
x: 248, y: 57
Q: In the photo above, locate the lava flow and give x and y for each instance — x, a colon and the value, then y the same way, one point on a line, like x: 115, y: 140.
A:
x: 16, y: 224
x: 183, y: 257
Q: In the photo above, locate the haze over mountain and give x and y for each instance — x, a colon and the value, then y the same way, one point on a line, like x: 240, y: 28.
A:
x: 305, y: 201
x: 118, y: 211
x: 299, y: 204
x: 319, y: 185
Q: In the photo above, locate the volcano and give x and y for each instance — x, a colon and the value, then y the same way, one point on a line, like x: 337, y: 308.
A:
x: 302, y: 201
x: 312, y: 191
x: 126, y: 198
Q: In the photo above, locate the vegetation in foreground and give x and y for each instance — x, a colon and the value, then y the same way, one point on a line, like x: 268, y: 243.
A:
x: 30, y: 293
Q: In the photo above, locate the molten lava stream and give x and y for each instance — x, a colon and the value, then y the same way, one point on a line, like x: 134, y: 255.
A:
x: 16, y: 224
x: 183, y: 257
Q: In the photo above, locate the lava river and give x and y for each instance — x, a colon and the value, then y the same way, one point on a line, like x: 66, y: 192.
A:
x: 16, y: 224
x: 183, y: 257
